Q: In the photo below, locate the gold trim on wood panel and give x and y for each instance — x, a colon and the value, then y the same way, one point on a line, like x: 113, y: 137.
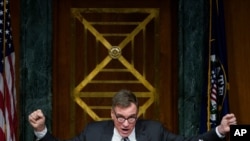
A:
x: 114, y: 52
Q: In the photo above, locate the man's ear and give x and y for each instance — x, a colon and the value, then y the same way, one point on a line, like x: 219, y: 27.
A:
x: 112, y: 113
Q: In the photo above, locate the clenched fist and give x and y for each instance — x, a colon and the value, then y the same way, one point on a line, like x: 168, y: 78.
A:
x: 37, y: 120
x: 226, y: 121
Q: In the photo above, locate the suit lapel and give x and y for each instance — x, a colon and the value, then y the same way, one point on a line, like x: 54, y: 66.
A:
x: 108, y: 132
x: 140, y: 132
x: 141, y: 137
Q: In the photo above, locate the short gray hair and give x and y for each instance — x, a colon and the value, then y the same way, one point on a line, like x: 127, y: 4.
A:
x: 124, y: 98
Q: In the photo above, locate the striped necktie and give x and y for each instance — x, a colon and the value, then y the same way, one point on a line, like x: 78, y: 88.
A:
x: 125, y: 139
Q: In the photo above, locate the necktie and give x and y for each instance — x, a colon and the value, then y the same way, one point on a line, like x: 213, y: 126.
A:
x: 125, y: 139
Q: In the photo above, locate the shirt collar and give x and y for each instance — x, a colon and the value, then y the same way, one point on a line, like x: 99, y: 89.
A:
x: 118, y: 137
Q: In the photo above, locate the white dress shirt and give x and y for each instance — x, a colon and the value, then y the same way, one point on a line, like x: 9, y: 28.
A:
x: 118, y: 137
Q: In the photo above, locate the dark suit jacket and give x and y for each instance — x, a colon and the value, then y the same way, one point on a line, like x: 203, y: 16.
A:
x: 145, y: 130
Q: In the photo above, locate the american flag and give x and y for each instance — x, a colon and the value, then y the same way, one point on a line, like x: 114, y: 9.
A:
x: 8, y: 114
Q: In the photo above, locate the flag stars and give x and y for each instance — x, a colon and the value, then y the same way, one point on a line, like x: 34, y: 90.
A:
x: 7, y: 32
x: 8, y: 23
x: 213, y: 76
x: 10, y: 45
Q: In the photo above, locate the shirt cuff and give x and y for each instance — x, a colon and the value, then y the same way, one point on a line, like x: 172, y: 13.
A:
x: 40, y: 134
x: 218, y: 133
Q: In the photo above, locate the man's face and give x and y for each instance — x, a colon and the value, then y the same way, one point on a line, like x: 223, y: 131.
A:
x: 118, y: 114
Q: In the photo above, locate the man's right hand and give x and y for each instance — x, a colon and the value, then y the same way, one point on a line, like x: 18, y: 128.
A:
x: 37, y: 120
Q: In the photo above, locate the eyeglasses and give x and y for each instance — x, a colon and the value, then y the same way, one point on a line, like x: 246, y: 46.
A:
x: 122, y: 119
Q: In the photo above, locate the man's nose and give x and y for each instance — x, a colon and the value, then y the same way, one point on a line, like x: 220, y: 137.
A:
x: 125, y: 123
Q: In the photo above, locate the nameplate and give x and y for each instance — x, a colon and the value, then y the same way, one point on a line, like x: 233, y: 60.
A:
x: 239, y: 132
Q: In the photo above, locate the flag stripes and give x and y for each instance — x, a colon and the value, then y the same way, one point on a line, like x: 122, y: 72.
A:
x: 8, y: 113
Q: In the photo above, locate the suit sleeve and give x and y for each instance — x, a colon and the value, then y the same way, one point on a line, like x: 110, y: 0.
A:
x: 92, y: 132
x: 208, y: 136
x: 49, y: 137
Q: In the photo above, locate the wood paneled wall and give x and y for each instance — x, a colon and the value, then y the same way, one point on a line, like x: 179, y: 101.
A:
x: 61, y: 70
x: 237, y: 21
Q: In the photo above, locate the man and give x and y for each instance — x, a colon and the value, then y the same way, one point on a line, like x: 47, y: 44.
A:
x: 125, y: 125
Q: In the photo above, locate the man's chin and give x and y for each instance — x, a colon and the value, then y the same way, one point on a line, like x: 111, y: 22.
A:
x: 125, y: 133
